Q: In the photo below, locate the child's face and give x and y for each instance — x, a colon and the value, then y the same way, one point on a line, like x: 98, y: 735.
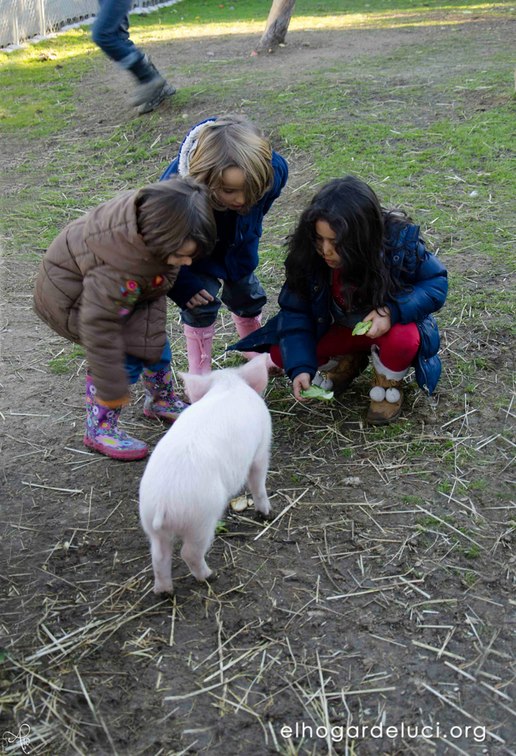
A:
x: 325, y: 243
x: 184, y: 255
x: 230, y: 194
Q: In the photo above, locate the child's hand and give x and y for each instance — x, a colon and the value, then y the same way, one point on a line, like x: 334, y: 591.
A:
x: 201, y: 298
x: 300, y: 382
x: 381, y: 320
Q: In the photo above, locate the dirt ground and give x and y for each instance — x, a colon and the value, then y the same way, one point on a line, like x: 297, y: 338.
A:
x: 379, y: 599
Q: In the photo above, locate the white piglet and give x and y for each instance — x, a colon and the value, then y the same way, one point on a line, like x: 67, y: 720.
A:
x: 215, y: 447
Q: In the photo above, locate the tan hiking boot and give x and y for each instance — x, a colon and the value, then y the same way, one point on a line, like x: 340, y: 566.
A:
x: 339, y: 373
x: 386, y: 393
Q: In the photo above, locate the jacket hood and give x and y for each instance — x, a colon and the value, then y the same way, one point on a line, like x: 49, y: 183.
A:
x: 111, y: 234
x: 188, y: 146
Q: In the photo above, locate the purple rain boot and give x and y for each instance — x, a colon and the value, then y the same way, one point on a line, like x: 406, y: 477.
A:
x: 160, y: 400
x: 103, y: 434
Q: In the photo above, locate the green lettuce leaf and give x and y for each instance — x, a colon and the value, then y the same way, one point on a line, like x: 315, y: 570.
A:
x: 361, y: 328
x: 316, y: 392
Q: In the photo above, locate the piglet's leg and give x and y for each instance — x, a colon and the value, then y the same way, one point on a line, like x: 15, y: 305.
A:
x: 256, y: 482
x: 161, y: 552
x: 194, y: 550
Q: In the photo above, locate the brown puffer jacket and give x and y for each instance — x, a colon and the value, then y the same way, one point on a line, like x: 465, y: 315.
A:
x: 99, y: 285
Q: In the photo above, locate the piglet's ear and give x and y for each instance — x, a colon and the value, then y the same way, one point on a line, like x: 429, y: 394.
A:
x: 255, y: 373
x: 195, y: 385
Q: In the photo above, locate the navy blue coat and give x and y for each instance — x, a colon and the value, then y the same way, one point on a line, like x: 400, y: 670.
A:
x: 301, y: 322
x: 236, y: 252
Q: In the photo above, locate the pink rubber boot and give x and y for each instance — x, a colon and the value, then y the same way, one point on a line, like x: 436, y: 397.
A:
x: 198, y: 348
x: 244, y: 327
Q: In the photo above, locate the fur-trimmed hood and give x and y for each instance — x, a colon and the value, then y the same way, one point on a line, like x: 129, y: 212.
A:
x: 188, y: 146
x: 236, y: 252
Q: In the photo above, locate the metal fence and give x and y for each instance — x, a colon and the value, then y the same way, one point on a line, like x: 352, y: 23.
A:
x: 21, y: 20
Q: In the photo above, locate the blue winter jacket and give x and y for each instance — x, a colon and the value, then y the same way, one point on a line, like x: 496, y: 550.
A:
x: 301, y: 322
x: 236, y: 251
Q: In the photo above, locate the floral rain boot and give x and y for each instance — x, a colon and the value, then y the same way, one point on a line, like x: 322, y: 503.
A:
x: 103, y: 434
x: 386, y: 393
x: 160, y: 400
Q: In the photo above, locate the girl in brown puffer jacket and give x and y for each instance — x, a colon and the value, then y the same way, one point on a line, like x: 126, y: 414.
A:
x: 102, y: 284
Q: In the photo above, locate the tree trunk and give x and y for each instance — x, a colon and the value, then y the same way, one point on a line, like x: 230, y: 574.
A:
x: 277, y: 25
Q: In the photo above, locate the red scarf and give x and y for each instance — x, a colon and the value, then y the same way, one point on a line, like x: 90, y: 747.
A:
x: 341, y: 292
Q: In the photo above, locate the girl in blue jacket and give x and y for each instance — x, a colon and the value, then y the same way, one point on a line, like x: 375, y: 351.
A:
x: 350, y: 261
x: 244, y: 175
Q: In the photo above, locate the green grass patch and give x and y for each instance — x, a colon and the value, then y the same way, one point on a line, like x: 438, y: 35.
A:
x: 433, y: 138
x: 66, y: 360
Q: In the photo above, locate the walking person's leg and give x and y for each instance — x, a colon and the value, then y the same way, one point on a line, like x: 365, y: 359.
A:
x: 110, y: 32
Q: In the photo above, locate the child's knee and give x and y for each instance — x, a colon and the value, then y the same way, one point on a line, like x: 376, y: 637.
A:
x: 406, y: 338
x: 245, y: 298
x: 201, y: 316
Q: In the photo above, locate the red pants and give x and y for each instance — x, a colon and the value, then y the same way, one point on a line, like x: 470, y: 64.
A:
x: 398, y: 346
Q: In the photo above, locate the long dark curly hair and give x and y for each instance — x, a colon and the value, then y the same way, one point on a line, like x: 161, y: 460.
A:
x: 353, y: 211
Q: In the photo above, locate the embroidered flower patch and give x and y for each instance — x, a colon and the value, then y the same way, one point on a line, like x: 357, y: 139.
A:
x: 130, y: 293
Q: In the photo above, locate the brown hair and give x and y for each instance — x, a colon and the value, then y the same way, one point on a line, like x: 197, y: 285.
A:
x: 170, y: 212
x: 232, y: 141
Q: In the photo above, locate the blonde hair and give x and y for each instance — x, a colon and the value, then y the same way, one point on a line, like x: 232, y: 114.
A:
x: 170, y: 212
x: 233, y: 142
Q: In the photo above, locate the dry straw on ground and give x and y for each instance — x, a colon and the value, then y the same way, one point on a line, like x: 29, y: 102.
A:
x: 380, y: 593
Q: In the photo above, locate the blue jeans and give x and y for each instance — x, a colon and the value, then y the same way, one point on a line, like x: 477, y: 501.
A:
x: 134, y: 366
x: 110, y: 32
x: 245, y: 297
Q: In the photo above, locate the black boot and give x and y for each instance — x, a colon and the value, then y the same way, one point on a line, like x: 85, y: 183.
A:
x: 152, y: 88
